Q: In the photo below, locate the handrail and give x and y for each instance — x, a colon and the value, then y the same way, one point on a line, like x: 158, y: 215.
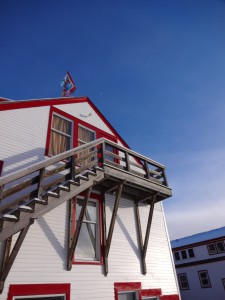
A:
x: 62, y: 156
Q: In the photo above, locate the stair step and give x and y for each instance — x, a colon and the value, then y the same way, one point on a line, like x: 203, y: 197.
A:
x: 8, y: 217
x: 98, y: 168
x: 52, y: 194
x: 70, y: 181
x: 82, y: 177
x: 39, y: 201
x: 89, y: 172
x: 64, y: 188
x: 26, y: 208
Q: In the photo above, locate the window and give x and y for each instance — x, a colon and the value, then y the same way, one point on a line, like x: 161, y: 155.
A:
x: 204, y: 279
x: 184, y: 254
x: 215, y: 248
x: 220, y: 247
x: 88, y: 245
x: 223, y: 282
x: 183, y: 281
x: 129, y: 295
x: 85, y: 136
x: 177, y: 255
x: 191, y: 253
x: 61, y: 135
x: 39, y: 292
x: 127, y: 290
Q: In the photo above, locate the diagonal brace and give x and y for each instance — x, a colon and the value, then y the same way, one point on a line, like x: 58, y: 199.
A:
x: 144, y: 245
x: 10, y: 258
x: 108, y: 240
x: 77, y: 231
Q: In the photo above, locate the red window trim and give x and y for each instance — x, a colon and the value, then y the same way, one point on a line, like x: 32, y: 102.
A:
x: 1, y: 166
x: 151, y: 292
x: 76, y: 122
x: 170, y: 297
x: 38, y: 289
x: 127, y: 286
x: 101, y: 261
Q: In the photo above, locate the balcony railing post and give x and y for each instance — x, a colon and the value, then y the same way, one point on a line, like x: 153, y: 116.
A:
x: 147, y: 169
x: 1, y: 192
x: 72, y: 167
x: 127, y: 161
x: 41, y: 183
x: 103, y: 153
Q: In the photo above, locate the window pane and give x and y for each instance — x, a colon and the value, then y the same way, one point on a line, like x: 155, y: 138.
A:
x: 177, y: 255
x: 85, y: 135
x: 58, y: 143
x: 86, y: 245
x: 191, y: 253
x: 220, y: 247
x: 91, y: 210
x: 61, y: 124
x: 212, y: 248
x: 184, y: 254
x: 127, y: 296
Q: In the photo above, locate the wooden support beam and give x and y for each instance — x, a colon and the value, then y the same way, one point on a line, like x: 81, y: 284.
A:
x: 72, y: 167
x: 41, y: 183
x: 10, y: 258
x: 111, y: 228
x: 144, y: 245
x: 6, y: 251
x: 77, y: 231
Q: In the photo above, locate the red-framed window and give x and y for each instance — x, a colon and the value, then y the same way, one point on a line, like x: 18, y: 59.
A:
x: 64, y: 127
x: 39, y: 291
x: 1, y: 166
x: 127, y: 290
x: 89, y: 245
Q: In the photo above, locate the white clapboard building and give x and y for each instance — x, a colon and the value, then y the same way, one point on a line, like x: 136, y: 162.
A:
x: 200, y: 265
x: 81, y: 213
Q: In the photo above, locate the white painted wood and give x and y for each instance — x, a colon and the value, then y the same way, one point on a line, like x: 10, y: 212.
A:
x: 85, y: 112
x: 43, y: 255
x: 43, y: 259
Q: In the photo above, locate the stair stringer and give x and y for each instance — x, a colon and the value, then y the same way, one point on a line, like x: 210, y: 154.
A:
x: 11, y: 227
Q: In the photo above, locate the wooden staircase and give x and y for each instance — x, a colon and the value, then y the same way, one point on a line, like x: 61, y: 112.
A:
x: 103, y: 165
x: 38, y: 189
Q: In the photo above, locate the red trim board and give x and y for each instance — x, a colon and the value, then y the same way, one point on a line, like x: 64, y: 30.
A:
x: 38, y: 289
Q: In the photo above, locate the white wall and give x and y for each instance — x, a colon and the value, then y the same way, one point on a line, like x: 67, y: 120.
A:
x: 42, y: 258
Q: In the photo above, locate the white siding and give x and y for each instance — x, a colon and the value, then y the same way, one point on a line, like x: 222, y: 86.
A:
x: 23, y: 137
x: 42, y: 258
x: 82, y: 111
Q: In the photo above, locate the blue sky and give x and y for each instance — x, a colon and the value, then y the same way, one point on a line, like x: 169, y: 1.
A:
x: 155, y: 69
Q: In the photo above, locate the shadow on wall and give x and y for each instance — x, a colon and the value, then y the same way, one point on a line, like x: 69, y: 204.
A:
x: 22, y: 160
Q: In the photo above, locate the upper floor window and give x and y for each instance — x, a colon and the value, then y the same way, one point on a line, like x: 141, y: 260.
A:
x: 184, y: 254
x: 61, y: 135
x: 215, y: 248
x: 183, y: 281
x: 204, y: 279
x: 177, y: 255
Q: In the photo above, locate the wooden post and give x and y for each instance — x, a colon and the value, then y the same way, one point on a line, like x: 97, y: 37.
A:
x: 1, y: 192
x: 144, y: 246
x: 127, y: 161
x: 104, y: 234
x: 77, y: 231
x: 140, y: 238
x: 111, y: 227
x: 12, y: 257
x: 72, y: 167
x: 147, y: 170
x: 40, y: 183
x: 151, y: 210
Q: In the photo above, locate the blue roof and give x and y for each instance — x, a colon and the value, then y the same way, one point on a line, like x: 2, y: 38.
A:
x: 199, y: 237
